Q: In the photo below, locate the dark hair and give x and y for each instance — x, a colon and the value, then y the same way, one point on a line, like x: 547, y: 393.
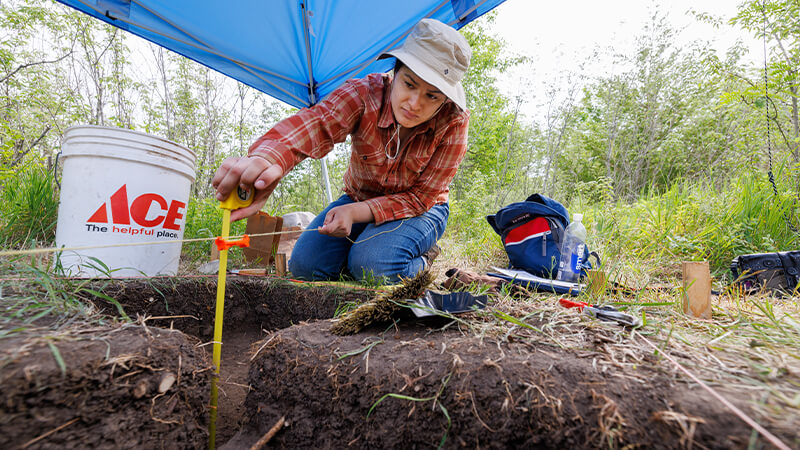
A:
x: 398, y: 65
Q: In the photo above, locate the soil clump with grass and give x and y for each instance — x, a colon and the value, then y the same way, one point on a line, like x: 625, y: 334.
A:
x: 475, y: 381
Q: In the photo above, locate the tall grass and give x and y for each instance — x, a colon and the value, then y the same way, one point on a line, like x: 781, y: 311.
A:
x: 690, y: 221
x: 695, y: 222
x: 28, y: 208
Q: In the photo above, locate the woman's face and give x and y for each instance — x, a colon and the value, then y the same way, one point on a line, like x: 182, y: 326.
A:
x: 413, y: 100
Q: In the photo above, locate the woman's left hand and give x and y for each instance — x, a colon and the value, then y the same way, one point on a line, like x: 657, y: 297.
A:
x: 339, y: 220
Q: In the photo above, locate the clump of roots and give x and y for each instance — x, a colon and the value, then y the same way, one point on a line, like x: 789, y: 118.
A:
x: 383, y: 306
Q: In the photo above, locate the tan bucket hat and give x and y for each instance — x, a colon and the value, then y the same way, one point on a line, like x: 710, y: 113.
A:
x: 438, y: 54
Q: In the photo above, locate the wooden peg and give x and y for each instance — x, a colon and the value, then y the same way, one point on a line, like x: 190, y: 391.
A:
x: 596, y: 282
x: 214, y: 255
x: 697, y: 289
x: 280, y: 264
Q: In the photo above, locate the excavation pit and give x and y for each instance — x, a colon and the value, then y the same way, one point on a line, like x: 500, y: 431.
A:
x: 409, y: 384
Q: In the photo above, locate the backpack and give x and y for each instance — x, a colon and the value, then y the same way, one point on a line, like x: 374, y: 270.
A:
x: 532, y: 232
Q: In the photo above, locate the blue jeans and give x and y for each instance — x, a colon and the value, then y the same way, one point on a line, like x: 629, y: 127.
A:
x: 383, y: 252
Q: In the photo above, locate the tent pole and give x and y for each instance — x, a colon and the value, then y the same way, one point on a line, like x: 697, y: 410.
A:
x: 325, y: 178
x: 312, y: 94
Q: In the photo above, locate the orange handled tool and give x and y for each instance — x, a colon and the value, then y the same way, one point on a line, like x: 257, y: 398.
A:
x: 605, y: 313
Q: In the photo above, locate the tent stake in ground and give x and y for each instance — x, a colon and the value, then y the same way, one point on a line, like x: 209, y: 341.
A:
x: 240, y: 200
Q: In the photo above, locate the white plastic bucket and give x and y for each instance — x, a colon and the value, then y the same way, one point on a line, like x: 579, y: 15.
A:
x: 118, y: 187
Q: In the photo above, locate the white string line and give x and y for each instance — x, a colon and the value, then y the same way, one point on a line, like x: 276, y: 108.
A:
x: 763, y: 431
x: 376, y: 234
x: 35, y: 251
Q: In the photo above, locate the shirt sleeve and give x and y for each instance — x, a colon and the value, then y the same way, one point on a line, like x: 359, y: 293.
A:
x: 433, y: 181
x: 312, y: 132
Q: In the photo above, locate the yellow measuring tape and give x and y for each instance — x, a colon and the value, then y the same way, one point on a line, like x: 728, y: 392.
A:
x: 239, y: 199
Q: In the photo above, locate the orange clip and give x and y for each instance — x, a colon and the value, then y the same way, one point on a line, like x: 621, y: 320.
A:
x: 224, y: 244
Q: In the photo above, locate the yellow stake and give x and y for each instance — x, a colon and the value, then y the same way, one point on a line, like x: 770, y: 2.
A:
x: 243, y: 198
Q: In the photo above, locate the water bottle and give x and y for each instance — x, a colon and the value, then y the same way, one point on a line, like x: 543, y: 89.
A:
x: 572, y: 249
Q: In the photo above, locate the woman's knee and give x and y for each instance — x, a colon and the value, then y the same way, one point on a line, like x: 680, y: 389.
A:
x: 371, y: 263
x: 364, y: 264
x: 312, y: 259
x: 307, y: 266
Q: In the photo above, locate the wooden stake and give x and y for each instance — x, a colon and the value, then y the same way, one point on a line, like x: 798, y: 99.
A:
x: 596, y: 282
x: 280, y: 264
x: 697, y: 289
x: 214, y: 255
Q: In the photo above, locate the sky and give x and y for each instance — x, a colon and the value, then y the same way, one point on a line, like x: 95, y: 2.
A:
x: 560, y: 35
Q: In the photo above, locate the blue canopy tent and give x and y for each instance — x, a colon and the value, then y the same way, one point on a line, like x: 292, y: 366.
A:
x: 297, y: 51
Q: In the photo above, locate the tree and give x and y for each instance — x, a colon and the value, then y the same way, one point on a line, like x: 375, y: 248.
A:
x: 778, y: 23
x: 662, y: 119
x: 491, y: 154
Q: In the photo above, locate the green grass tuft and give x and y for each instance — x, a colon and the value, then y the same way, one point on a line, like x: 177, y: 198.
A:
x: 28, y: 209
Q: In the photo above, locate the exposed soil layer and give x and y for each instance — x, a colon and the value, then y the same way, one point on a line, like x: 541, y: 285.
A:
x: 253, y: 306
x: 250, y: 302
x: 473, y: 392
x: 411, y: 385
x: 103, y: 387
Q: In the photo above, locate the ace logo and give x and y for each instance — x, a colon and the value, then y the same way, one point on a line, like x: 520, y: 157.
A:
x: 166, y: 215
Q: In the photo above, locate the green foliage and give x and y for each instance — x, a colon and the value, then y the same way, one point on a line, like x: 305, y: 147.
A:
x: 653, y: 154
x: 28, y: 208
x: 778, y: 23
x: 467, y: 227
x: 204, y: 220
x: 491, y: 148
x: 693, y: 221
x: 662, y: 120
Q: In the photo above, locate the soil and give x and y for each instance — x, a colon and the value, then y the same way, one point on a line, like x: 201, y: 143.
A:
x: 412, y: 384
x: 467, y: 392
x: 108, y: 394
x: 253, y: 307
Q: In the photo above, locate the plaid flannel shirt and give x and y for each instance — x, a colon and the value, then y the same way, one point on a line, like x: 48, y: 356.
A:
x: 407, y: 186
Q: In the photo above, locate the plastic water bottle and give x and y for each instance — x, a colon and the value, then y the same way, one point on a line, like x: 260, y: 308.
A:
x: 572, y: 249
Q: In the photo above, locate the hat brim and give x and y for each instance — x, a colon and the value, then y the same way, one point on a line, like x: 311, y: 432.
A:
x: 454, y: 92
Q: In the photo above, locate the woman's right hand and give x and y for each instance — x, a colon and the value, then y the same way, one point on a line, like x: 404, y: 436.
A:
x: 246, y: 172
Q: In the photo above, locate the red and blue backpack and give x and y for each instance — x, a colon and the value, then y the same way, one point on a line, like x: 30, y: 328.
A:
x: 532, y: 232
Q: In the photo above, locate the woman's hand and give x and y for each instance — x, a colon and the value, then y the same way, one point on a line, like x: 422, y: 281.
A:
x: 339, y: 220
x: 246, y: 172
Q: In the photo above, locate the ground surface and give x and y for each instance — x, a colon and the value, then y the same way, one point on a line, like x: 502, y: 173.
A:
x: 405, y: 385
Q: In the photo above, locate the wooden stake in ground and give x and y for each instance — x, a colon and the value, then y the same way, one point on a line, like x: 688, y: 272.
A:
x: 596, y: 282
x: 280, y: 264
x: 262, y: 248
x: 697, y: 289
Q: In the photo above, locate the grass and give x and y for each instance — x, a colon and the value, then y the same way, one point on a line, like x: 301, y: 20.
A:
x: 692, y: 222
x: 32, y: 292
x: 434, y: 398
x: 28, y: 209
x: 204, y: 220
